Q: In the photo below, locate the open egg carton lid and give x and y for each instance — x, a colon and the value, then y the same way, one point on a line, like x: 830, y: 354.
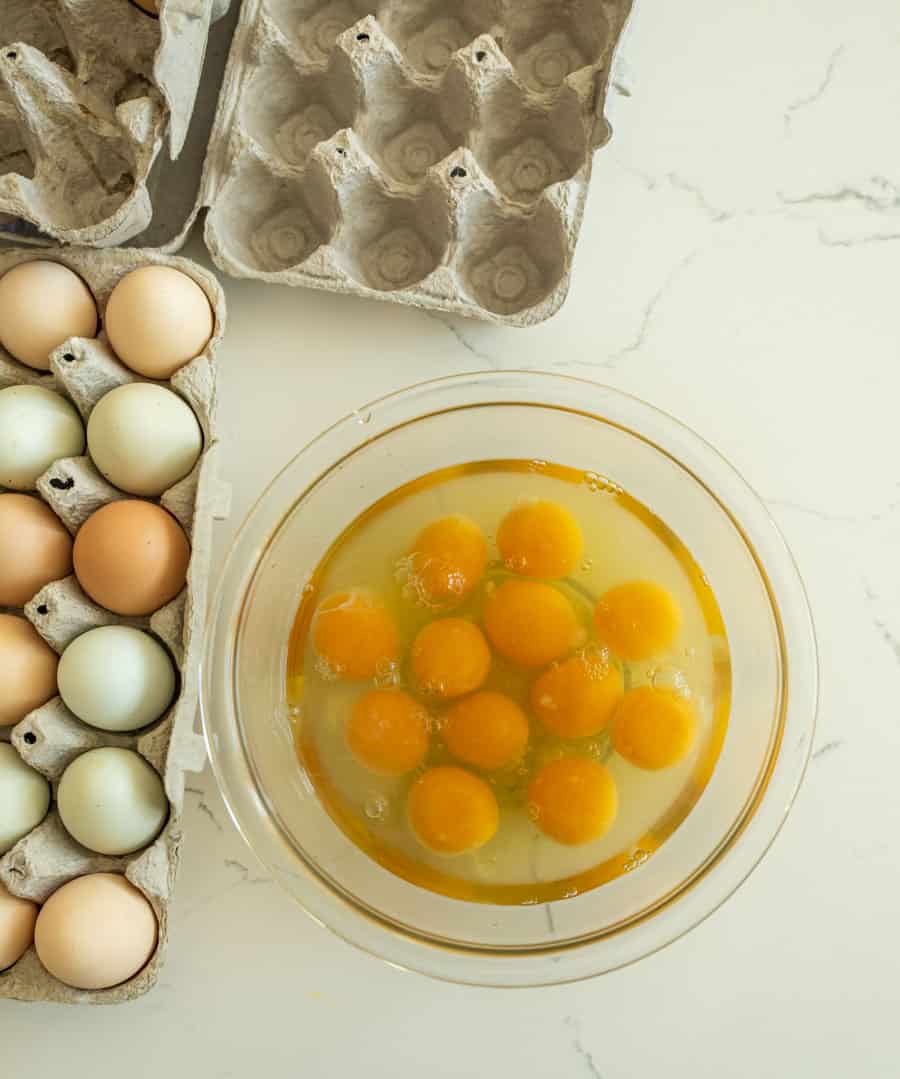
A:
x: 89, y: 90
x: 436, y: 155
x: 50, y: 738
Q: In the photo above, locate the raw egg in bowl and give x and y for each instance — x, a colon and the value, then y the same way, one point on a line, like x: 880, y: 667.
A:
x: 510, y: 679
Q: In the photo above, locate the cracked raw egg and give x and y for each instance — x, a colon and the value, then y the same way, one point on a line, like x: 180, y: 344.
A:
x: 577, y: 698
x: 540, y: 539
x: 452, y: 811
x: 573, y: 800
x: 637, y: 620
x: 531, y: 623
x: 487, y: 730
x: 448, y: 560
x: 450, y: 657
x: 654, y: 728
x: 388, y: 732
x: 354, y: 635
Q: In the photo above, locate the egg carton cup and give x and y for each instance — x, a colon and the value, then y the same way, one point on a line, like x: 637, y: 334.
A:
x: 435, y: 155
x: 88, y: 91
x: 50, y: 737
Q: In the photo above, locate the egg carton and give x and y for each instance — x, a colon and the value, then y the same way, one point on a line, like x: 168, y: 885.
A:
x: 50, y: 737
x: 88, y: 91
x: 431, y: 154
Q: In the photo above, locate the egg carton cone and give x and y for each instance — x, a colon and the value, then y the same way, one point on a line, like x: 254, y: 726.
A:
x: 50, y: 737
x: 89, y: 92
x: 432, y: 154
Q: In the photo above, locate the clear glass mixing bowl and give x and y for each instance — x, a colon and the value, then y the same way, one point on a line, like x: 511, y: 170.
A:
x: 502, y: 415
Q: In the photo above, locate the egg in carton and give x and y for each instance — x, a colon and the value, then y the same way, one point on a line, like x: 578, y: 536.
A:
x: 409, y: 150
x: 51, y: 737
x: 88, y: 90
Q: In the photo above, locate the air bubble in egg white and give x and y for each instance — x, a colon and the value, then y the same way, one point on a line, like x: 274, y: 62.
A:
x: 376, y: 807
x: 670, y: 678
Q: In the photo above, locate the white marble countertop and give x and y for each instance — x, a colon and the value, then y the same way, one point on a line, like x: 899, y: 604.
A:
x: 740, y: 268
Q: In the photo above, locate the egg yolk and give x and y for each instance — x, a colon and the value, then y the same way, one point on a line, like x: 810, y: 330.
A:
x: 487, y: 730
x: 530, y: 623
x: 540, y: 539
x: 653, y: 728
x: 354, y: 635
x: 577, y: 698
x: 388, y: 732
x: 448, y: 559
x: 573, y: 800
x: 450, y: 657
x: 637, y: 620
x: 452, y: 811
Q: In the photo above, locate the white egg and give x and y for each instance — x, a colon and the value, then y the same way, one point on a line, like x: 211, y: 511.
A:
x: 116, y: 678
x: 144, y: 438
x: 37, y: 427
x: 112, y: 801
x: 24, y: 798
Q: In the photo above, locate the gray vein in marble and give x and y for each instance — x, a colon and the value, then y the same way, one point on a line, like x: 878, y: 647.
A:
x: 829, y: 747
x: 578, y: 1046
x: 640, y: 338
x: 884, y: 630
x: 203, y: 807
x: 810, y: 99
x: 714, y: 213
x: 888, y: 637
x: 244, y: 872
x: 551, y: 922
x: 457, y: 332
x: 834, y: 518
x: 882, y: 195
x: 621, y: 88
x: 810, y: 511
x: 679, y: 183
x: 857, y: 241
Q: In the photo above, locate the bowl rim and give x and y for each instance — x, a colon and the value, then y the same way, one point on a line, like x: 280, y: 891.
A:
x: 787, y: 760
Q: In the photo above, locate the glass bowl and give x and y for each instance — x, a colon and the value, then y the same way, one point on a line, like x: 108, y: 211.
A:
x: 479, y: 417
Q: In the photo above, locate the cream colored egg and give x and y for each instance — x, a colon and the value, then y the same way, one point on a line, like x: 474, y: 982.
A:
x: 112, y: 801
x: 42, y: 305
x: 24, y: 798
x: 96, y: 931
x: 157, y: 320
x: 17, y: 918
x: 143, y: 438
x: 37, y: 427
x: 116, y: 678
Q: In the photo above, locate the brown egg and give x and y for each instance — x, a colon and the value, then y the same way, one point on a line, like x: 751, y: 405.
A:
x: 96, y: 931
x: 27, y: 669
x: 35, y: 548
x: 131, y: 557
x: 150, y: 6
x: 43, y: 304
x: 157, y: 320
x: 17, y: 918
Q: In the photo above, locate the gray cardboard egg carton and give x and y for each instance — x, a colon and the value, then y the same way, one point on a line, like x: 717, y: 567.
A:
x: 51, y: 737
x: 88, y: 91
x: 429, y: 153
